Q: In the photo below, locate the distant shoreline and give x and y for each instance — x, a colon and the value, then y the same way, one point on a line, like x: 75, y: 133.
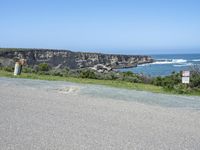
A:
x: 165, y: 64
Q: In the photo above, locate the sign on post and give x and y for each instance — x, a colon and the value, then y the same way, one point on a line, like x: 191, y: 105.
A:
x: 186, y: 77
x: 186, y: 80
x: 185, y: 73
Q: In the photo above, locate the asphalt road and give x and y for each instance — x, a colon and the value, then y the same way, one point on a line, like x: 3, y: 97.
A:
x: 62, y: 116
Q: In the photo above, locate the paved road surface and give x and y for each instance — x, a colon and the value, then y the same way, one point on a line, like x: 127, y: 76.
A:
x: 58, y: 115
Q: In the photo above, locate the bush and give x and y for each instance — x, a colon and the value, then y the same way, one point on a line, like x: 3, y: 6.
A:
x: 43, y: 67
x: 74, y: 73
x: 157, y: 81
x: 167, y: 82
x: 114, y: 76
x: 108, y: 77
x: 195, y: 77
x: 27, y: 70
x: 195, y: 81
x: 87, y: 74
x: 43, y: 73
x: 128, y: 73
x: 8, y: 69
x: 58, y: 72
x: 132, y: 79
x: 144, y: 79
x: 100, y: 76
x: 182, y: 88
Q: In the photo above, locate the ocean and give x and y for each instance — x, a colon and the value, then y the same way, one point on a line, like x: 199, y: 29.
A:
x: 165, y: 64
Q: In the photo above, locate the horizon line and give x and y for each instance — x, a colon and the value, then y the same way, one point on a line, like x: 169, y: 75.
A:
x: 88, y: 51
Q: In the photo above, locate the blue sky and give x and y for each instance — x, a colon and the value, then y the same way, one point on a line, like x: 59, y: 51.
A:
x: 108, y: 26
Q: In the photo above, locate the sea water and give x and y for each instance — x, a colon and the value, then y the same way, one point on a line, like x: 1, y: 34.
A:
x: 165, y: 64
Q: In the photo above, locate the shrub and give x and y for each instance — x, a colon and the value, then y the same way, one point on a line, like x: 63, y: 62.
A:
x: 114, y: 76
x: 8, y: 69
x: 43, y: 67
x: 157, y: 81
x: 57, y: 72
x: 144, y: 79
x: 128, y: 73
x: 27, y: 70
x: 182, y: 88
x: 43, y: 73
x: 132, y: 79
x: 195, y: 77
x: 100, y: 76
x: 87, y: 74
x: 74, y: 73
x: 167, y: 82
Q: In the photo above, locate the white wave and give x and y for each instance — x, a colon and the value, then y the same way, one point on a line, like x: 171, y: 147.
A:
x: 183, y: 65
x: 179, y: 61
x: 196, y: 60
x: 142, y: 65
x: 161, y: 62
x: 169, y: 61
x: 176, y: 62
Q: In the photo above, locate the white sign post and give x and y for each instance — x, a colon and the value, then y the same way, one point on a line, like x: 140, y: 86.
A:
x: 186, y: 77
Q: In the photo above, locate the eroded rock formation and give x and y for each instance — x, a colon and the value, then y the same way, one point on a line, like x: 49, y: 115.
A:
x: 72, y: 60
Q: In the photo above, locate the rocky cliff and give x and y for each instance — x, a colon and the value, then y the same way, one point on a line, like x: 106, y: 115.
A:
x: 72, y: 60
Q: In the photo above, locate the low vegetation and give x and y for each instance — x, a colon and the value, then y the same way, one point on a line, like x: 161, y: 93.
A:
x: 111, y: 83
x: 167, y: 84
x: 173, y: 83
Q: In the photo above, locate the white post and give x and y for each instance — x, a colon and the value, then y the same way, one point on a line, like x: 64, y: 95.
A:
x: 17, y: 68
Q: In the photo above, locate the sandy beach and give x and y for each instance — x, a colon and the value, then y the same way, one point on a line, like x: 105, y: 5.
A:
x: 61, y: 115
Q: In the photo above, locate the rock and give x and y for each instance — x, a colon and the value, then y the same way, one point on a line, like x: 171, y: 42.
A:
x: 101, y: 68
x: 72, y: 60
x: 59, y: 66
x: 6, y: 62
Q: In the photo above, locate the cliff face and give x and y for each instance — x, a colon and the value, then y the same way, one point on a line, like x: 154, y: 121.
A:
x: 72, y: 60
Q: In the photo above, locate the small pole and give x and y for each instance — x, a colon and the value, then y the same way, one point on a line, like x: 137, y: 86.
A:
x: 17, y: 69
x: 18, y: 66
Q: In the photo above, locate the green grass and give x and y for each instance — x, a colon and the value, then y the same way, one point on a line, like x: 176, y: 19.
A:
x: 111, y: 83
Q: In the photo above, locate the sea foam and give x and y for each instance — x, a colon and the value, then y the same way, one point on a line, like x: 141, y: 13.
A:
x: 169, y: 61
x: 196, y: 60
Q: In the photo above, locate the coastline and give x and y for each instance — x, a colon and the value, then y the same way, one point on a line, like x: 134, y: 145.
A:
x: 165, y: 64
x: 70, y: 59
